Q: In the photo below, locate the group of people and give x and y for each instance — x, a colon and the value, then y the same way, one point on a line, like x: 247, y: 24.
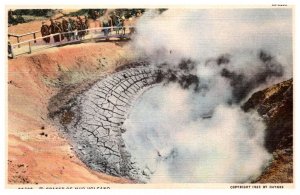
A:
x: 117, y: 21
x: 72, y: 29
x: 75, y: 29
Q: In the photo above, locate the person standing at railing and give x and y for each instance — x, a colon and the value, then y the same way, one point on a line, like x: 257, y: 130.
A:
x: 58, y: 23
x: 70, y: 29
x: 87, y: 24
x: 74, y: 29
x: 80, y: 27
x: 45, y: 31
x: 106, y: 23
x: 122, y: 25
x: 116, y: 22
x: 65, y: 28
x: 54, y: 28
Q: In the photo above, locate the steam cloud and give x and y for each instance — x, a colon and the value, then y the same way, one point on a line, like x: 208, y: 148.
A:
x: 191, y: 128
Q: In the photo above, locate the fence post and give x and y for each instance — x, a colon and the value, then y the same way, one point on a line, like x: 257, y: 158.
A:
x: 91, y: 36
x: 12, y: 52
x: 34, y: 37
x: 18, y: 40
x: 29, y: 44
x: 59, y: 38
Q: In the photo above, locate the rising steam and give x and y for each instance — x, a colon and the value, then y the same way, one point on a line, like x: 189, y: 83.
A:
x: 191, y: 128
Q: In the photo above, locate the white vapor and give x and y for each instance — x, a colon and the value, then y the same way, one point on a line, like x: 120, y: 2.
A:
x: 163, y: 138
x: 203, y: 34
x: 179, y: 135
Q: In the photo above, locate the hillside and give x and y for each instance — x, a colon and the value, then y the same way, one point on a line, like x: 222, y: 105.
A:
x: 275, y: 105
x: 36, y: 152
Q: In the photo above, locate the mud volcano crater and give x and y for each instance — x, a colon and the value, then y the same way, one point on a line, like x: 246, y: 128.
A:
x: 91, y: 114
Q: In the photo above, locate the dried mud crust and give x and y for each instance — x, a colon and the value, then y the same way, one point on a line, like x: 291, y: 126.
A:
x: 91, y: 116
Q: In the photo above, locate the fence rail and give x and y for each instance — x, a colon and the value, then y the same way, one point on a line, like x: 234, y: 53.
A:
x: 22, y: 35
x: 91, y: 34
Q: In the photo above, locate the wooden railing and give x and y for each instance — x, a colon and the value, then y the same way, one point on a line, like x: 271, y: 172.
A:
x: 22, y: 35
x: 91, y: 34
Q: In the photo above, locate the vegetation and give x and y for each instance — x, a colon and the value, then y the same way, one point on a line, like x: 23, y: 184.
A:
x: 21, y: 15
x: 127, y: 13
x: 34, y: 12
x: 25, y: 15
x: 86, y: 12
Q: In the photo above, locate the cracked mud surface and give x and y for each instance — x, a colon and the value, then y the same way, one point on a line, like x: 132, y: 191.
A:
x: 92, y: 121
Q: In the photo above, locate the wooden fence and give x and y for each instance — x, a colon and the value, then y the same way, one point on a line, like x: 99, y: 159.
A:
x: 91, y: 34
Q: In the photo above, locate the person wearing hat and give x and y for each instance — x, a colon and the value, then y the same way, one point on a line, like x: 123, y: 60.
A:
x: 60, y: 30
x: 116, y: 22
x: 71, y: 28
x: 122, y: 24
x: 64, y: 24
x: 80, y: 26
x: 86, y: 23
x: 45, y: 31
x: 54, y: 28
x: 106, y: 23
x: 96, y: 15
